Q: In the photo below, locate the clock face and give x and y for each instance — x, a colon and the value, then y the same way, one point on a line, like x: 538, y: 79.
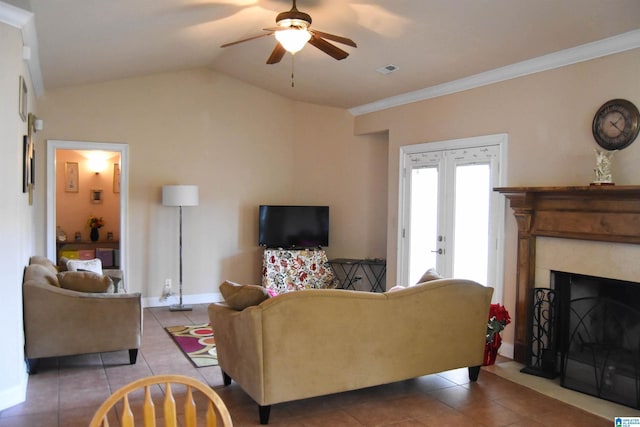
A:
x: 616, y: 124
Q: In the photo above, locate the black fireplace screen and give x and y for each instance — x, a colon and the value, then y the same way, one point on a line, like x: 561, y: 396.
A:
x: 601, y: 353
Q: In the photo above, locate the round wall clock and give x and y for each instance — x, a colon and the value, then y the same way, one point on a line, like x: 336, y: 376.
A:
x: 616, y: 124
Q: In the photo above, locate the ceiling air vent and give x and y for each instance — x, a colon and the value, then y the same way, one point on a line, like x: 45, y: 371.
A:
x: 388, y: 69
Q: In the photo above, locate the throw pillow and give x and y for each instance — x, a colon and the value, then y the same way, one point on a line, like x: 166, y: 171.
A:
x: 396, y: 288
x: 239, y: 297
x: 430, y: 274
x: 93, y: 265
x: 85, y: 281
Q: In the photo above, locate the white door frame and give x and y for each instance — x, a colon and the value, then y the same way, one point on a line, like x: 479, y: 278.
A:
x: 123, y: 149
x: 501, y: 140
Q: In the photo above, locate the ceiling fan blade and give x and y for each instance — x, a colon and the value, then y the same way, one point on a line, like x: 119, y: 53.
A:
x: 328, y: 48
x: 335, y: 38
x: 277, y: 54
x: 247, y: 39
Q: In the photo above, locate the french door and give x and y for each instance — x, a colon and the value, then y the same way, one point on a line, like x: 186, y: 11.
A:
x: 450, y: 217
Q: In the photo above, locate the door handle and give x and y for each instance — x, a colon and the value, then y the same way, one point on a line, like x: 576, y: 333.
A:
x: 439, y: 251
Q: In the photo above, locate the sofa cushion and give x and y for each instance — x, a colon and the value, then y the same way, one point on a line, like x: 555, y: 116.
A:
x: 93, y: 265
x: 85, y: 281
x: 62, y: 263
x: 40, y: 272
x: 430, y: 274
x: 239, y: 297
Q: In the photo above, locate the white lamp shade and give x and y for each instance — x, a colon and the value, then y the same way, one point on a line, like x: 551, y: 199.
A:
x: 180, y: 195
x: 293, y: 39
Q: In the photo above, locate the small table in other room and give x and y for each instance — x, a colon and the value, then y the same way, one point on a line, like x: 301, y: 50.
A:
x: 373, y: 269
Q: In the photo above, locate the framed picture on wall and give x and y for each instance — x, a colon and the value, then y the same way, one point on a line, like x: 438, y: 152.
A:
x: 71, y: 184
x: 116, y: 177
x: 26, y: 164
x: 22, y: 99
x: 32, y: 163
x: 96, y: 196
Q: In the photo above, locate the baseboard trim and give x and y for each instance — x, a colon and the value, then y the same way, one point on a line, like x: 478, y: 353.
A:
x: 16, y: 394
x: 506, y: 350
x: 186, y: 299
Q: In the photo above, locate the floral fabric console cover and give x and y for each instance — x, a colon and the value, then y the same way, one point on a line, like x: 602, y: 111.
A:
x: 293, y: 270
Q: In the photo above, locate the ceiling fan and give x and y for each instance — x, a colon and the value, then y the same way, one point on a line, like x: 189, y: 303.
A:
x: 293, y: 32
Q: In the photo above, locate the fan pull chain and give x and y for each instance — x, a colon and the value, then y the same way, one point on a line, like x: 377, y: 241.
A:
x: 293, y: 61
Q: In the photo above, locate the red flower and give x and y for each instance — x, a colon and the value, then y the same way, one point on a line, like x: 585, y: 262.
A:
x: 500, y: 313
x: 498, y: 319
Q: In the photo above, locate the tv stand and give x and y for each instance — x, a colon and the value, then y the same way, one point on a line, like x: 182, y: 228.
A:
x: 286, y: 270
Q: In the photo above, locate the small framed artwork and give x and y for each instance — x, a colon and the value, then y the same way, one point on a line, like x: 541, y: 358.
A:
x: 116, y: 177
x: 22, y: 100
x: 32, y: 163
x: 26, y: 164
x: 71, y: 184
x: 96, y: 196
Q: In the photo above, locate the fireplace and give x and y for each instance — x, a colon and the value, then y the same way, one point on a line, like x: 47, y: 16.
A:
x: 599, y: 336
x: 596, y: 214
x: 588, y: 231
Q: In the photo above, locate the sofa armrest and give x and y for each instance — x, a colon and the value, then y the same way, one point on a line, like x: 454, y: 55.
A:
x: 61, y: 322
x: 238, y: 336
x: 118, y: 279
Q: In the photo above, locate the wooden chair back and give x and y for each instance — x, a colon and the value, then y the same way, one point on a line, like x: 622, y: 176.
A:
x: 215, y: 406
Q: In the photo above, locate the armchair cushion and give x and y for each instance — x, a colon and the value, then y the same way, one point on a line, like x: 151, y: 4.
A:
x: 94, y: 265
x: 85, y: 281
x: 239, y: 297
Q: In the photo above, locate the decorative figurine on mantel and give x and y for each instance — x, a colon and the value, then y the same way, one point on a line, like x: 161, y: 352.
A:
x: 603, y: 168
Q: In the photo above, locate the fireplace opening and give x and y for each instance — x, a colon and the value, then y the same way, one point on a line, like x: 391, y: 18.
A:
x: 599, y: 336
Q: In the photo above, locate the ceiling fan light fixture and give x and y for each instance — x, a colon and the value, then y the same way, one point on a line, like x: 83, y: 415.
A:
x: 293, y: 39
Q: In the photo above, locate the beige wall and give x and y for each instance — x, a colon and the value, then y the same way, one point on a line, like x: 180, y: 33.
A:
x: 332, y: 164
x: 244, y: 147
x: 17, y: 223
x: 548, y: 119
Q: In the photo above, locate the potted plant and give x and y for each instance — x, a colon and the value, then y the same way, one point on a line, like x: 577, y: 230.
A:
x: 498, y: 319
x: 94, y: 224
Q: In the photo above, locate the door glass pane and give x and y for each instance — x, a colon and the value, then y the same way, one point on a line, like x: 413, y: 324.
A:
x: 472, y: 193
x: 424, y: 221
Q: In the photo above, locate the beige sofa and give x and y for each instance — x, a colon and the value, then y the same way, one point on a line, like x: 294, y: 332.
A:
x: 61, y: 322
x: 316, y: 342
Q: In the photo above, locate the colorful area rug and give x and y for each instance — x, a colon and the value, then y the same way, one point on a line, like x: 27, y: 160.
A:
x: 197, y: 343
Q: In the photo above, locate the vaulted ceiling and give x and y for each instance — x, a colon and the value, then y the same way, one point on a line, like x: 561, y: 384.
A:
x: 431, y: 42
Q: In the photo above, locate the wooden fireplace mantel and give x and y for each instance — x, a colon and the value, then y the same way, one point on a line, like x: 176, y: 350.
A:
x: 606, y: 213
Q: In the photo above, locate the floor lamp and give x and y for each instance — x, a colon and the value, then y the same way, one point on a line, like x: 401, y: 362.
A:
x: 180, y: 195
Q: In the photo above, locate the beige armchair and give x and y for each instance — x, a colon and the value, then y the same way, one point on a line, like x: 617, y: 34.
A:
x: 61, y: 322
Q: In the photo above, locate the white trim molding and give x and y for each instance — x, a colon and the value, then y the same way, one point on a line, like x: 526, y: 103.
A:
x: 585, y: 52
x: 24, y: 20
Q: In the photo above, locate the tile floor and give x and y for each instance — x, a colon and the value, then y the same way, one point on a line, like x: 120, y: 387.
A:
x: 67, y: 391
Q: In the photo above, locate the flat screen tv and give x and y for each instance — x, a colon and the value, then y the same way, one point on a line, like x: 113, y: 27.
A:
x: 293, y: 226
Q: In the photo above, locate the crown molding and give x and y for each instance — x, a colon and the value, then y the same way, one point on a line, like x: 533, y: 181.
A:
x: 13, y: 15
x: 24, y: 20
x: 585, y: 52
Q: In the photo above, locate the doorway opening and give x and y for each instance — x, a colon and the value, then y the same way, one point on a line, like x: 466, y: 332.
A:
x: 87, y: 180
